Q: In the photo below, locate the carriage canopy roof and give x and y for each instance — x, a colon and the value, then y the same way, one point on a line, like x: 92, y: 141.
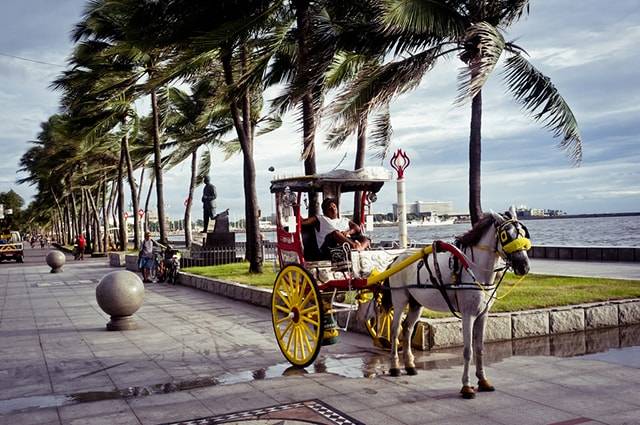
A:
x: 369, y: 178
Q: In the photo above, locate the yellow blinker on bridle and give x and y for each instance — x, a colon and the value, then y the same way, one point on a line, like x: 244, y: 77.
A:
x: 520, y: 243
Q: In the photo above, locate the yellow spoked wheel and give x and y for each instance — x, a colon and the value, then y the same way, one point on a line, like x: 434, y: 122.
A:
x: 296, y: 313
x: 379, y: 324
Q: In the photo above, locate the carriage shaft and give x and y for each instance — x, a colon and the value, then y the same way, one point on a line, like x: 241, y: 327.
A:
x: 418, y: 255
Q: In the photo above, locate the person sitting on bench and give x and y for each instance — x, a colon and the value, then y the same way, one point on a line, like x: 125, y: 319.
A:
x: 333, y: 230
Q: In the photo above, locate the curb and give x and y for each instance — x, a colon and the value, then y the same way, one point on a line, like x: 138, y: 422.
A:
x: 447, y: 332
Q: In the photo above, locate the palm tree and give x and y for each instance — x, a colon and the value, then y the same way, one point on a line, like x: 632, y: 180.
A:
x: 129, y: 27
x: 230, y: 40
x: 428, y: 30
x: 193, y: 123
x: 68, y: 170
x: 99, y: 90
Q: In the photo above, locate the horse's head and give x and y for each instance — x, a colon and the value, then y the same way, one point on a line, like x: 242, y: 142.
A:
x: 512, y: 238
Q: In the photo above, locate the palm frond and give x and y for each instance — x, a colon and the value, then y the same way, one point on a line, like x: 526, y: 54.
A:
x: 489, y: 44
x: 231, y: 148
x: 268, y: 124
x: 540, y: 98
x: 377, y: 85
x: 513, y: 11
x: 236, y: 29
x: 380, y: 136
x: 338, y: 135
x: 204, y: 166
x: 417, y: 23
x: 344, y: 67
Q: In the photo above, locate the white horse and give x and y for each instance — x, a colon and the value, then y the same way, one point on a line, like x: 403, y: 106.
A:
x: 469, y: 291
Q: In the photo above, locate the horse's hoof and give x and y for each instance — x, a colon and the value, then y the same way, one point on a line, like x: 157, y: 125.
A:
x: 394, y: 371
x: 468, y: 392
x: 485, y: 386
x: 411, y: 371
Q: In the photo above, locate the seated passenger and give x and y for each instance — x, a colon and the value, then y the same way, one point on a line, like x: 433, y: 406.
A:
x: 333, y: 230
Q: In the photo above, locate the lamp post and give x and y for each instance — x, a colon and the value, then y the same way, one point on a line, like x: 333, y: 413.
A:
x: 399, y: 162
x: 272, y: 218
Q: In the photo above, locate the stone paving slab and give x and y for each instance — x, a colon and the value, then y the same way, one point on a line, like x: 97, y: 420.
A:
x: 198, y: 355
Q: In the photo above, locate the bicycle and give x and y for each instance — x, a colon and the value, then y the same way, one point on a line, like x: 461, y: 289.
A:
x: 158, y: 270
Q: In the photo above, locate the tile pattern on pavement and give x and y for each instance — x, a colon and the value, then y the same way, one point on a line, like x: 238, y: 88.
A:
x: 311, y: 411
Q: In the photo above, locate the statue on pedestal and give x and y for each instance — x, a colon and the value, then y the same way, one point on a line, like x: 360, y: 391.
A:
x: 208, y: 202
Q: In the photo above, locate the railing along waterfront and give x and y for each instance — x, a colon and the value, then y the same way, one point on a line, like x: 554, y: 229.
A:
x: 225, y: 254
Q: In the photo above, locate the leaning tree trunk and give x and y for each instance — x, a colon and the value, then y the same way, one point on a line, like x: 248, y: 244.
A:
x: 146, y: 207
x: 95, y: 220
x: 360, y: 156
x: 111, y: 211
x: 254, y: 243
x: 187, y: 209
x: 241, y: 115
x: 134, y: 192
x: 122, y: 233
x: 60, y: 217
x: 68, y: 220
x: 74, y: 215
x: 157, y: 168
x: 105, y: 217
x: 475, y: 208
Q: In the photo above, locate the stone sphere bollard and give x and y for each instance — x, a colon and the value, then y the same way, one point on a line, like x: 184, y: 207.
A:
x: 55, y: 260
x: 120, y: 294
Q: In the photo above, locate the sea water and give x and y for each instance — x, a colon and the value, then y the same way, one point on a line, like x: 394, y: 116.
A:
x: 592, y: 231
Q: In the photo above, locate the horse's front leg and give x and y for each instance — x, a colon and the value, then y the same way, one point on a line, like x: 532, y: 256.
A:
x: 410, y: 322
x: 478, y: 351
x: 398, y: 307
x: 467, y: 390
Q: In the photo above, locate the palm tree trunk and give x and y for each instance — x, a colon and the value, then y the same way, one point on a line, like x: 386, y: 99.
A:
x: 475, y: 157
x: 308, y: 111
x: 187, y: 209
x: 157, y: 167
x: 60, y: 216
x: 111, y: 210
x: 141, y: 182
x: 361, y: 147
x: 122, y: 233
x: 105, y: 217
x: 69, y: 223
x: 74, y: 215
x: 146, y: 207
x: 244, y: 129
x: 96, y: 221
x: 134, y: 192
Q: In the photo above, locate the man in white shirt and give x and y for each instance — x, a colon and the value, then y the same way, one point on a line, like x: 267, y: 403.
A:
x: 333, y: 230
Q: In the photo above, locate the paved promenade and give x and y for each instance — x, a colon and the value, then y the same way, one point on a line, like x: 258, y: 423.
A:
x: 197, y: 355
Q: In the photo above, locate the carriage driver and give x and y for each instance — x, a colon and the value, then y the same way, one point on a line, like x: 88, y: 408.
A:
x: 333, y: 230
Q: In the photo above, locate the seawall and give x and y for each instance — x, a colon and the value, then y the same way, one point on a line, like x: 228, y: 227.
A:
x: 587, y: 253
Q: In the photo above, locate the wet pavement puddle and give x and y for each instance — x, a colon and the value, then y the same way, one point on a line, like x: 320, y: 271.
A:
x: 616, y: 345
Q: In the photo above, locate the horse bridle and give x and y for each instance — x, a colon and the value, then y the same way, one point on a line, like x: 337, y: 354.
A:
x: 511, y: 236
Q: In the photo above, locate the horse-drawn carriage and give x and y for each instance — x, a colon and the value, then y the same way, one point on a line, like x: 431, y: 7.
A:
x: 311, y: 290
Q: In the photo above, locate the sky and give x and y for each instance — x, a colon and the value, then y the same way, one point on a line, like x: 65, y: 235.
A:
x: 590, y: 52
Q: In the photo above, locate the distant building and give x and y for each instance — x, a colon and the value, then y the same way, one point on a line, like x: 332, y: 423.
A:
x: 524, y: 212
x: 426, y: 208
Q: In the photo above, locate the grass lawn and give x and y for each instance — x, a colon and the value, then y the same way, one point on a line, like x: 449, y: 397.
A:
x: 535, y: 291
x: 237, y: 272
